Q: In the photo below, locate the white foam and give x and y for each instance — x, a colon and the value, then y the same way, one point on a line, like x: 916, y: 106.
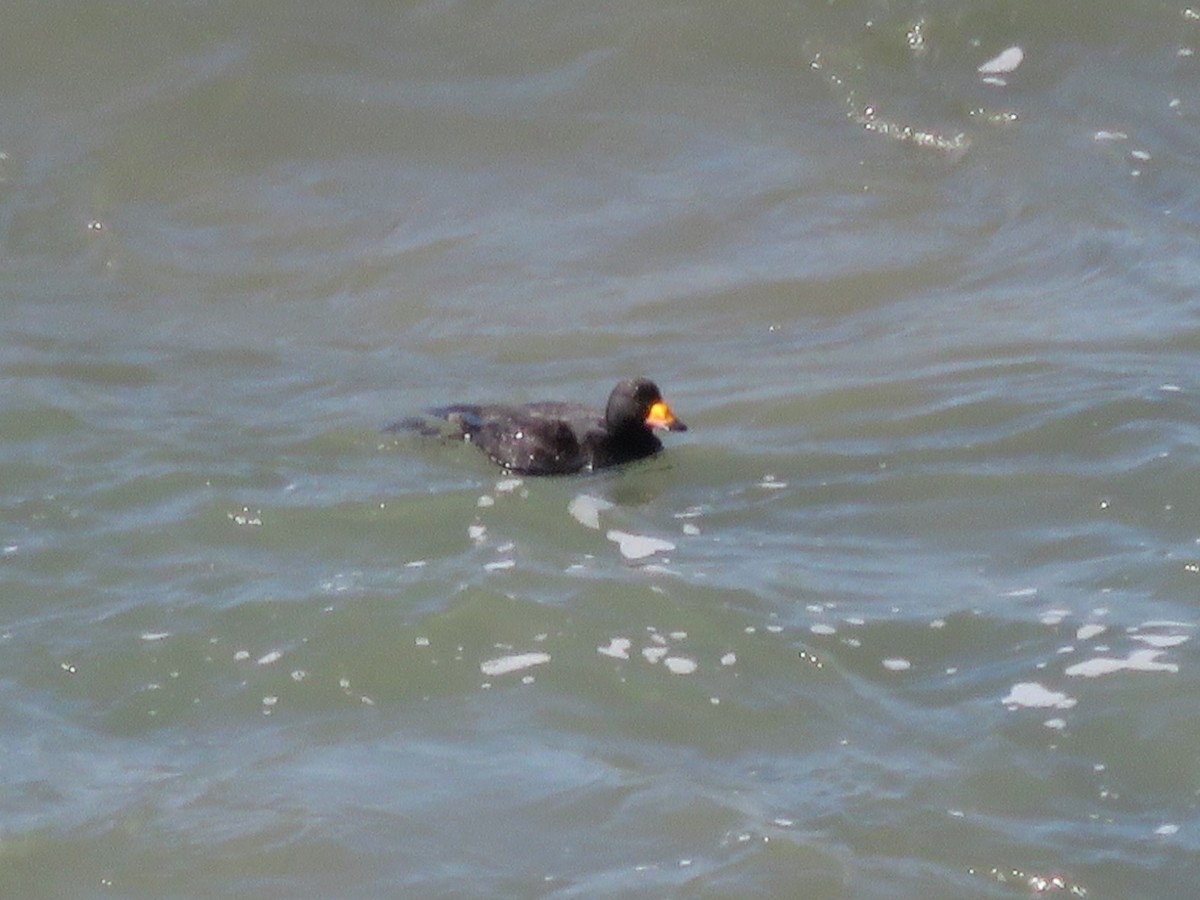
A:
x: 618, y: 648
x: 638, y: 546
x: 1006, y: 61
x: 1021, y: 592
x: 1166, y: 623
x: 1031, y: 694
x: 503, y: 665
x: 897, y: 664
x: 585, y: 509
x: 1162, y: 641
x: 245, y: 517
x: 680, y: 665
x: 267, y: 658
x: 656, y: 569
x: 654, y: 654
x: 1087, y: 632
x: 1137, y: 661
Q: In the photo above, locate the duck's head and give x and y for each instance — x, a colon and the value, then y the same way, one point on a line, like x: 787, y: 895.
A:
x: 638, y: 403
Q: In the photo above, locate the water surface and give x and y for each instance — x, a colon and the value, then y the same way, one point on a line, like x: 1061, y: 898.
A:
x: 917, y: 614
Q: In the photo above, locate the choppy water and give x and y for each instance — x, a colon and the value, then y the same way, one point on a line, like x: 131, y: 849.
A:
x: 917, y: 615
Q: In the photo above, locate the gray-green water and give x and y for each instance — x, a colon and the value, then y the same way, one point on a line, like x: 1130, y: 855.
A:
x: 923, y: 621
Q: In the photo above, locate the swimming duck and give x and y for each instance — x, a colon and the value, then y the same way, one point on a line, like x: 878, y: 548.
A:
x: 551, y: 438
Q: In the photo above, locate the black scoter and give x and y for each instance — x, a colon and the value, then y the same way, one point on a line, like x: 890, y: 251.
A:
x: 565, y: 438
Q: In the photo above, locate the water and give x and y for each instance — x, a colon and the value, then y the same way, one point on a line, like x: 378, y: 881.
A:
x: 920, y: 615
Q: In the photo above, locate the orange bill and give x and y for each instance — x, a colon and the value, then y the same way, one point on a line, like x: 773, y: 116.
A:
x: 660, y: 416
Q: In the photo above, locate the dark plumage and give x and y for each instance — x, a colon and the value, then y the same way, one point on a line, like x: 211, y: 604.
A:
x: 565, y: 438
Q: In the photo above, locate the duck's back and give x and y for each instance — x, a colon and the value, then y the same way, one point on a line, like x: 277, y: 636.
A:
x: 533, y: 446
x: 535, y: 439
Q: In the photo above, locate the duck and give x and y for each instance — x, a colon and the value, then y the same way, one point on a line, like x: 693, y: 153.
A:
x: 554, y: 438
